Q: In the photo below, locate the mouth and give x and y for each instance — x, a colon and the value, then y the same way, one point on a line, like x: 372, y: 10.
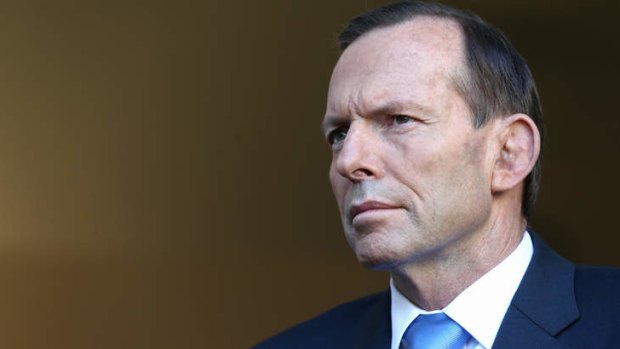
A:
x: 369, y: 206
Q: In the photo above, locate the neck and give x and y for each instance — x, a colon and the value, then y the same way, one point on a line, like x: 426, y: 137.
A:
x: 434, y: 282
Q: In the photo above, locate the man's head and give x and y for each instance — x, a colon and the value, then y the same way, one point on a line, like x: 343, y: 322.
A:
x: 420, y: 161
x: 495, y: 81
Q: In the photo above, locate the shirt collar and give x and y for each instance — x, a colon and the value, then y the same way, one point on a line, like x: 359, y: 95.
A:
x: 481, y: 307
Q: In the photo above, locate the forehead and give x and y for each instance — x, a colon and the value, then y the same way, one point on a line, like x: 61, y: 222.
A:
x: 417, y: 54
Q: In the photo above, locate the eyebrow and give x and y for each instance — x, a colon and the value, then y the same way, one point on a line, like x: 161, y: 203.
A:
x: 394, y: 107
x: 332, y: 121
x: 391, y: 107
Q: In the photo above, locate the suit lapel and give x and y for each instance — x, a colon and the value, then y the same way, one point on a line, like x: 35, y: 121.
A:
x: 375, y: 330
x: 544, y: 303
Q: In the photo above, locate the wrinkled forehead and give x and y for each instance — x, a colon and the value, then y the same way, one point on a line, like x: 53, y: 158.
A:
x: 421, y: 48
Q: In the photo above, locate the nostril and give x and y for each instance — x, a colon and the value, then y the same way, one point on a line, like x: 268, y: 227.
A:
x: 363, y: 172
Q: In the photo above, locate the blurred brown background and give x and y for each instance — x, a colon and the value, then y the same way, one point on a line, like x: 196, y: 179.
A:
x: 163, y: 180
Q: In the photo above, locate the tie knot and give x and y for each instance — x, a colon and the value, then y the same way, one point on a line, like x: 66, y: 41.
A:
x: 434, y: 331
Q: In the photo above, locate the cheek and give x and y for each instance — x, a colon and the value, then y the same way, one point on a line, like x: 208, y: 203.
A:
x: 338, y: 183
x: 417, y: 162
x: 429, y: 167
x: 465, y: 176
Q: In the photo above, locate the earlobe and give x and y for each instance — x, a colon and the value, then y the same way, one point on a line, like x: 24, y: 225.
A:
x: 519, y: 150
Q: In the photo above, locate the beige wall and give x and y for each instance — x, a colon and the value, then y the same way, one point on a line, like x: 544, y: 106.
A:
x: 163, y: 178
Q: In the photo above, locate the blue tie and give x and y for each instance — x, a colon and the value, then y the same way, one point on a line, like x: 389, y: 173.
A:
x: 434, y: 331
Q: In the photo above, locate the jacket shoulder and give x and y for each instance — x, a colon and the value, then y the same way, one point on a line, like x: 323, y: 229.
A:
x: 598, y: 286
x: 334, y: 328
x: 597, y: 293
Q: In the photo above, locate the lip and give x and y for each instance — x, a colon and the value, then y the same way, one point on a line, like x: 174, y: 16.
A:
x: 368, y: 206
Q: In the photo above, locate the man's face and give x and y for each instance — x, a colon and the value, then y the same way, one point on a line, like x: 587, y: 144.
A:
x: 410, y: 173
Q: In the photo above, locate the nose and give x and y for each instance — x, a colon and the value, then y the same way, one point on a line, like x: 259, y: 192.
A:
x: 358, y: 159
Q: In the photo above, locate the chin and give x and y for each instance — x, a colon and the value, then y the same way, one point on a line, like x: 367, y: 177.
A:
x: 376, y: 254
x: 376, y: 264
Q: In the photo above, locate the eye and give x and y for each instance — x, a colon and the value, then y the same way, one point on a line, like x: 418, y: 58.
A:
x: 400, y: 119
x: 337, y: 135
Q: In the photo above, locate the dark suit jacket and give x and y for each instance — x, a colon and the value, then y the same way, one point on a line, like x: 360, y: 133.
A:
x: 557, y: 305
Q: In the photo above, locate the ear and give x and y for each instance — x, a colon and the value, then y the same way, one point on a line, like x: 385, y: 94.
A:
x: 518, y: 152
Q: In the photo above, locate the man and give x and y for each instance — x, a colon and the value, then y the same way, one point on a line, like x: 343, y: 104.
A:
x: 435, y: 128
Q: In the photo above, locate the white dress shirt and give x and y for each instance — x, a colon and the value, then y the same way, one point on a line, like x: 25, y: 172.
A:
x: 480, y: 308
